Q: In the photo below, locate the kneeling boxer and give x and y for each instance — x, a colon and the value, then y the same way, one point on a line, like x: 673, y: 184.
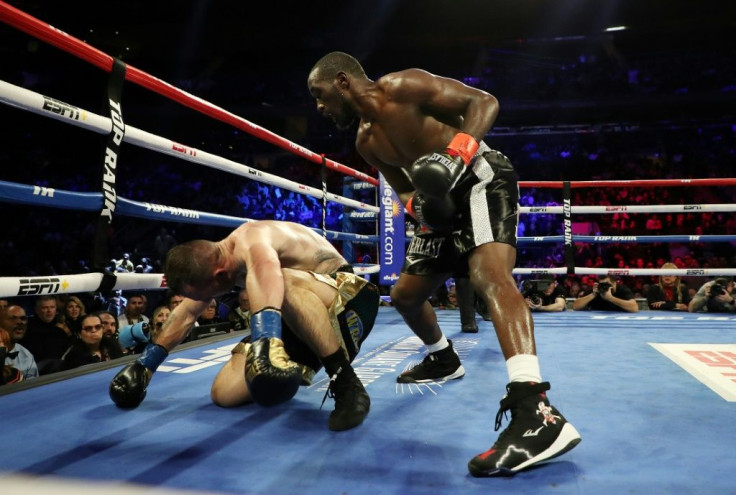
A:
x: 291, y: 275
x: 351, y: 303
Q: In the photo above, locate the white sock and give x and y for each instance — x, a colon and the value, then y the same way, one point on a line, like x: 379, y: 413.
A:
x: 439, y: 345
x: 524, y: 368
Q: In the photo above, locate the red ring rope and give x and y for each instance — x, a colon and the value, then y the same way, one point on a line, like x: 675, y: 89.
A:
x: 45, y: 32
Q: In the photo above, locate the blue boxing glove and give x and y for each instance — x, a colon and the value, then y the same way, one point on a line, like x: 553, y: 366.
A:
x: 434, y: 213
x: 271, y: 376
x: 138, y: 333
x: 128, y: 387
x: 437, y: 173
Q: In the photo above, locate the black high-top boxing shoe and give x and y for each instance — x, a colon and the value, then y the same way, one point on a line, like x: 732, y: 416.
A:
x: 436, y: 367
x: 537, y: 432
x: 352, y: 402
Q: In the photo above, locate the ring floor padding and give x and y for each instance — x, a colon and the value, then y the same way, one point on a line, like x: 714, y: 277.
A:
x: 655, y: 417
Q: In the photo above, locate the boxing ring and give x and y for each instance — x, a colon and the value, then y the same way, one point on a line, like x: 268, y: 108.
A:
x: 651, y: 393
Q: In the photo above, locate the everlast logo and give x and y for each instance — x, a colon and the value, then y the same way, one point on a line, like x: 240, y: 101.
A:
x: 425, y: 247
x: 61, y: 108
x: 443, y: 160
x: 111, y: 158
x: 34, y: 286
x: 566, y: 209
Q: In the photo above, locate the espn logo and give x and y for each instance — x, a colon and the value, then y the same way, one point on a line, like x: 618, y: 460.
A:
x: 62, y: 109
x: 35, y: 286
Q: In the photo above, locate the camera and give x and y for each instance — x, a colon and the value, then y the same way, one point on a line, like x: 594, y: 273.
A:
x: 604, y: 287
x: 717, y: 289
x: 534, y: 289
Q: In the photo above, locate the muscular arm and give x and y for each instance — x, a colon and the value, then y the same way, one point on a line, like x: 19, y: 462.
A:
x: 179, y: 322
x: 446, y: 99
x: 398, y: 180
x: 264, y: 280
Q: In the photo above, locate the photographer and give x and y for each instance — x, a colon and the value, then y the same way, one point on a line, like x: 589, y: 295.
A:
x: 714, y: 297
x: 608, y: 295
x: 543, y: 294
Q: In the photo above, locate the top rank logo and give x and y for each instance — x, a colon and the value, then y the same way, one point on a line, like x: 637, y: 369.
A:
x: 37, y: 286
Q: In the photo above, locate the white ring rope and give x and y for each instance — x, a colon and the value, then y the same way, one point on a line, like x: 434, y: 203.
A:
x: 609, y: 210
x: 90, y: 282
x: 633, y: 272
x: 48, y: 107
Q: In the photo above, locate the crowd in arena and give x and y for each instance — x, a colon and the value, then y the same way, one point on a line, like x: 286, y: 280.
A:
x: 700, y: 146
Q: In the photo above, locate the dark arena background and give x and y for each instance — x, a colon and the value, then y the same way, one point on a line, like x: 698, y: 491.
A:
x: 617, y: 115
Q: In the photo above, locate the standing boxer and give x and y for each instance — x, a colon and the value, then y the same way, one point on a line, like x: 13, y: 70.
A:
x: 423, y: 133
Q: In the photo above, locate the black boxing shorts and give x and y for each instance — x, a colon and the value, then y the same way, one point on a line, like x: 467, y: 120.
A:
x: 487, y: 202
x: 354, y: 309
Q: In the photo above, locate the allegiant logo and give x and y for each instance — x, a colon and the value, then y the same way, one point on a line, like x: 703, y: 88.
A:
x: 390, y: 210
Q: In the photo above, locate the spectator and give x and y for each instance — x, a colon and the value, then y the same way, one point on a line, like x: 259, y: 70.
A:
x: 15, y: 322
x: 714, y: 297
x: 110, y: 327
x: 670, y: 294
x: 109, y: 323
x: 144, y: 308
x: 174, y: 300
x: 160, y: 315
x: 239, y: 317
x: 46, y: 340
x: 124, y: 264
x: 145, y: 266
x: 210, y: 314
x: 92, y: 345
x: 72, y: 315
x: 116, y: 303
x: 608, y: 295
x: 133, y: 311
x: 8, y: 374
